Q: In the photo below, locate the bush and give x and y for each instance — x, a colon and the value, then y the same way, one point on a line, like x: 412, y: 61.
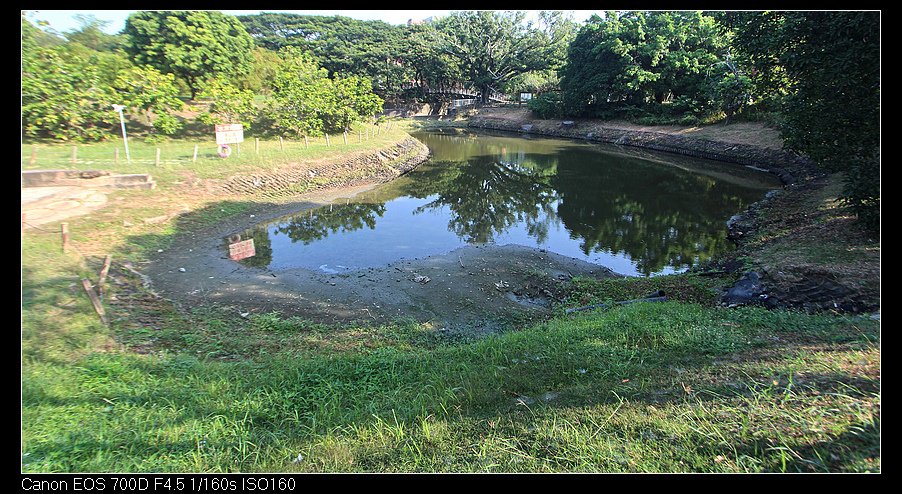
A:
x: 547, y: 105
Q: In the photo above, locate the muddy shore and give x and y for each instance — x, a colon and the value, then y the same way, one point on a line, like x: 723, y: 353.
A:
x: 472, y: 290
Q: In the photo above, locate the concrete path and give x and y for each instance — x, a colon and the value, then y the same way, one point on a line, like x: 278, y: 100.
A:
x: 43, y: 205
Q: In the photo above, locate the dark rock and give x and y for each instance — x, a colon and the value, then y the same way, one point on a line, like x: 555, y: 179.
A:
x: 748, y: 290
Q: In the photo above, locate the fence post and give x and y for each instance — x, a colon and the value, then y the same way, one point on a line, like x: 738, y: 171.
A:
x: 306, y: 143
x: 98, y: 307
x: 64, y: 232
x: 344, y: 135
x: 74, y: 154
x: 359, y: 136
x: 103, y: 273
x: 34, y: 155
x: 157, y: 161
x: 327, y: 140
x: 281, y: 144
x: 194, y: 158
x: 257, y: 145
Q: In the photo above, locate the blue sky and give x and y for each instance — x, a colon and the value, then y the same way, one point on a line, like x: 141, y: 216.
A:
x: 64, y: 20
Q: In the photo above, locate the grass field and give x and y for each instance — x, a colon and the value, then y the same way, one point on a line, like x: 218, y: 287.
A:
x: 681, y: 386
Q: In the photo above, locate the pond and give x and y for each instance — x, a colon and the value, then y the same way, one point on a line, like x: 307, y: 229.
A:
x: 636, y: 212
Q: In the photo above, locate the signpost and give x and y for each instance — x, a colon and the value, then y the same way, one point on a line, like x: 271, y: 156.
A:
x: 242, y: 250
x: 119, y: 109
x: 228, y: 134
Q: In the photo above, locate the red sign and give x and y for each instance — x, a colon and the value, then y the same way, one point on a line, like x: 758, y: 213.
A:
x: 242, y: 250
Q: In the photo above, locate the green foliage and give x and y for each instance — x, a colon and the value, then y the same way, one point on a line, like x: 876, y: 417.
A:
x: 547, y: 105
x: 306, y: 102
x: 371, y: 49
x: 147, y: 91
x: 828, y: 65
x: 65, y: 97
x: 228, y: 104
x: 90, y: 34
x: 300, y: 90
x: 263, y: 68
x: 33, y: 38
x: 193, y: 45
x: 493, y: 47
x: 647, y: 63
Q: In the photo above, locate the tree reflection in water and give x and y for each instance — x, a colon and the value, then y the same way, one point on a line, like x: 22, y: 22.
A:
x: 657, y: 215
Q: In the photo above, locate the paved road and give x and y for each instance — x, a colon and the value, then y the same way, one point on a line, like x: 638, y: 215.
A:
x: 43, y: 205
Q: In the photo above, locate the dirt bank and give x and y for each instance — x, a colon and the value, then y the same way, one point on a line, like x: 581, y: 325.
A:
x: 758, y: 147
x: 471, y: 290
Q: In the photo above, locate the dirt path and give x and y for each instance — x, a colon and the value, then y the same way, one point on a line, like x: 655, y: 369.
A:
x: 43, y: 205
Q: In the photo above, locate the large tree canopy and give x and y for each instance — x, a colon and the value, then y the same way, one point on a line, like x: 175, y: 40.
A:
x: 193, y: 45
x: 828, y: 65
x: 640, y: 61
x: 494, y: 47
x: 339, y: 44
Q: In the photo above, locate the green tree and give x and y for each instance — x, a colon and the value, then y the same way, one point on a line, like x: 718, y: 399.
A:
x: 90, y: 34
x: 193, y: 45
x: 301, y: 93
x: 660, y: 63
x: 341, y: 45
x: 228, y: 104
x: 492, y: 47
x: 263, y: 68
x: 154, y: 95
x: 828, y: 65
x: 65, y: 97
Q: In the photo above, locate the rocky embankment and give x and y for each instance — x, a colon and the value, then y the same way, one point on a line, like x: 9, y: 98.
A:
x: 370, y: 167
x: 790, y: 167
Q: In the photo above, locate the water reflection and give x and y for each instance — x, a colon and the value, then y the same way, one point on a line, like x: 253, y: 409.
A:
x: 638, y: 213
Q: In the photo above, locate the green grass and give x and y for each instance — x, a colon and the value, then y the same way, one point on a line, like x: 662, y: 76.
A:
x: 177, y: 154
x: 647, y: 387
x: 681, y: 386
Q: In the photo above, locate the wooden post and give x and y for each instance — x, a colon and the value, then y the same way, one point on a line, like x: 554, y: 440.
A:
x: 34, y: 155
x: 257, y: 145
x: 98, y: 308
x: 74, y: 154
x: 157, y: 161
x: 281, y: 144
x: 344, y: 135
x: 306, y: 143
x: 327, y: 140
x: 64, y: 232
x: 103, y: 272
x: 116, y: 155
x: 194, y: 158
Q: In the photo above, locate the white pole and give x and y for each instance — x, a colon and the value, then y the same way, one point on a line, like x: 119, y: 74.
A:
x: 119, y: 109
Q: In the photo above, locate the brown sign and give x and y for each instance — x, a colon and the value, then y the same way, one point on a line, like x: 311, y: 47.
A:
x: 242, y: 250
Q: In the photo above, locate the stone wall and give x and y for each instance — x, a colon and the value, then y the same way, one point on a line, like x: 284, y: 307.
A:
x: 371, y: 167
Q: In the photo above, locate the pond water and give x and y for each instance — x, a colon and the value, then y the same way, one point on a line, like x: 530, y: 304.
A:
x: 639, y: 213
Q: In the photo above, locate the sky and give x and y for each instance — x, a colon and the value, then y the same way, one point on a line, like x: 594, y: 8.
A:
x: 64, y: 20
